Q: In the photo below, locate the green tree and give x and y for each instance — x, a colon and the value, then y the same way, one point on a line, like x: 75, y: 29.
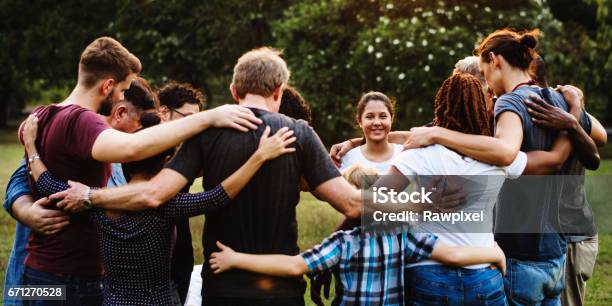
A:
x: 339, y: 49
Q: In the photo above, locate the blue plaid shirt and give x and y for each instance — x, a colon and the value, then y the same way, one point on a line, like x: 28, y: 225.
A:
x: 370, y: 265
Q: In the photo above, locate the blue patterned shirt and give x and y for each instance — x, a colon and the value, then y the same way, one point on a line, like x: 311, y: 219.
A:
x: 370, y: 265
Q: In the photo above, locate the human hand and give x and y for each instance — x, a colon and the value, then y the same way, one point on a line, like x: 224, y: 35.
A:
x: 419, y: 137
x: 501, y: 262
x: 71, y: 200
x: 44, y: 220
x: 447, y: 192
x: 338, y: 151
x: 548, y: 116
x: 233, y: 116
x: 30, y: 129
x: 321, y: 280
x: 572, y: 95
x: 222, y: 261
x: 271, y: 147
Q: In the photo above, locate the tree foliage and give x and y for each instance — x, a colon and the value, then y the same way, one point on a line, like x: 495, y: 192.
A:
x: 336, y: 49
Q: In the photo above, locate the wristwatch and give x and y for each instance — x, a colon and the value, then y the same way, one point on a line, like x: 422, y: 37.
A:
x: 86, y: 200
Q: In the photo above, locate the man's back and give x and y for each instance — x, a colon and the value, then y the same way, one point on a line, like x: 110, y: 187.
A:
x: 261, y: 219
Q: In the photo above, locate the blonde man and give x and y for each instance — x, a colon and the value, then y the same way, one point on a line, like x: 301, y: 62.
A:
x: 261, y: 218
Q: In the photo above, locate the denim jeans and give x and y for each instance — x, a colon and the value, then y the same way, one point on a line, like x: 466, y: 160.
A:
x: 443, y: 285
x: 79, y: 291
x: 535, y: 282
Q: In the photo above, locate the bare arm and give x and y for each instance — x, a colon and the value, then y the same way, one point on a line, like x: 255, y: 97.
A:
x: 554, y: 118
x: 598, y: 132
x: 399, y: 137
x: 467, y: 255
x: 30, y: 128
x: 276, y: 265
x: 115, y: 146
x: 343, y: 197
x: 37, y: 217
x: 133, y: 197
x: 548, y: 162
x: 500, y: 150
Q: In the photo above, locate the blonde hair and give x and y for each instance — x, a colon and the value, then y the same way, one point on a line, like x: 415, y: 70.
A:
x: 260, y: 72
x: 469, y: 65
x: 361, y: 176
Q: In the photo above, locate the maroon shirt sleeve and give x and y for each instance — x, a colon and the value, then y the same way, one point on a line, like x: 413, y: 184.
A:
x: 87, y: 127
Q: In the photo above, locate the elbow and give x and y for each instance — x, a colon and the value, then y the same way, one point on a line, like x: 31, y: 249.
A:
x: 507, y: 158
x: 150, y: 198
x: 295, y: 271
x: 152, y: 203
x: 353, y: 211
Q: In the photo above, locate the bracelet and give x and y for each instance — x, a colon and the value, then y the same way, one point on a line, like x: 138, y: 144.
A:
x: 34, y: 157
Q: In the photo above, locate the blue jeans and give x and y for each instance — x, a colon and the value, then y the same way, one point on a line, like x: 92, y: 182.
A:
x: 443, y: 285
x: 535, y: 282
x: 79, y: 291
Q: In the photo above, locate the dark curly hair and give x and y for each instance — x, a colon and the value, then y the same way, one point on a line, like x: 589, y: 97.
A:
x: 174, y: 95
x: 293, y: 105
x: 141, y: 96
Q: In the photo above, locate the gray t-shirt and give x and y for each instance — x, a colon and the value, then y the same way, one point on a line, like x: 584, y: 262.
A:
x: 532, y: 200
x: 261, y: 219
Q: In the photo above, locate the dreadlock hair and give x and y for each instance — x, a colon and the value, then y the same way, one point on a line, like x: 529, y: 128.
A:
x: 460, y: 106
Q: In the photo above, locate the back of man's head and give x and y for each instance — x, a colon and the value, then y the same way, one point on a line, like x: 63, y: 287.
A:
x: 106, y: 58
x: 259, y: 72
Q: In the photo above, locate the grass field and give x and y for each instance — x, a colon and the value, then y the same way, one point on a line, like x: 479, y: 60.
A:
x: 316, y: 220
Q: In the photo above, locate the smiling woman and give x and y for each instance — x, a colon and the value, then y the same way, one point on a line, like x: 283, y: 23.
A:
x: 374, y: 116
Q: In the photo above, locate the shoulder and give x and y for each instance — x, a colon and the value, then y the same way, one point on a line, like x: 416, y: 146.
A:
x: 353, y: 153
x: 350, y: 158
x: 511, y: 99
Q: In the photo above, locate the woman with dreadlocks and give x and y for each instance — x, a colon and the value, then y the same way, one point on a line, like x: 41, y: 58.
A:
x: 527, y: 210
x: 460, y: 105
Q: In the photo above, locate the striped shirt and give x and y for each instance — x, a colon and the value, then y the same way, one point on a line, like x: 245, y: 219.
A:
x: 370, y: 265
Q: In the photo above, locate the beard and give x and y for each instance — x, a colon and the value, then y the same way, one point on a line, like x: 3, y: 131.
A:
x: 107, y: 104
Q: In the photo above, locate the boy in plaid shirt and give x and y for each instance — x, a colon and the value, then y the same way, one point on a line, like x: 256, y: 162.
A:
x: 370, y: 263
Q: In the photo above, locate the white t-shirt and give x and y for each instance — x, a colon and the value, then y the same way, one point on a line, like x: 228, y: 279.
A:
x: 485, y: 182
x: 355, y: 156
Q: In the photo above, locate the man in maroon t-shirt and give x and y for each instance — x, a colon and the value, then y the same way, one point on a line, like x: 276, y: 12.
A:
x: 76, y: 144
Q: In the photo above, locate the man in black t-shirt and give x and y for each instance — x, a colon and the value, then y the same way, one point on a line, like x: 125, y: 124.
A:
x: 261, y: 218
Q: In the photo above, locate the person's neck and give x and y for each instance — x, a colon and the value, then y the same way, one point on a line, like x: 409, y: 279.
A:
x: 259, y: 102
x: 82, y: 97
x: 514, y: 78
x: 377, y: 147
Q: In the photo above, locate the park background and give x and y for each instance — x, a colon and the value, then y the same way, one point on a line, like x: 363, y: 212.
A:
x: 336, y: 50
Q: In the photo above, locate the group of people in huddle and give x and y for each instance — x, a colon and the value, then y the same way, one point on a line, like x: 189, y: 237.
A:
x: 102, y: 196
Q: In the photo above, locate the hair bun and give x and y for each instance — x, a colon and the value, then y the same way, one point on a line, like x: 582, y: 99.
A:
x: 529, y: 40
